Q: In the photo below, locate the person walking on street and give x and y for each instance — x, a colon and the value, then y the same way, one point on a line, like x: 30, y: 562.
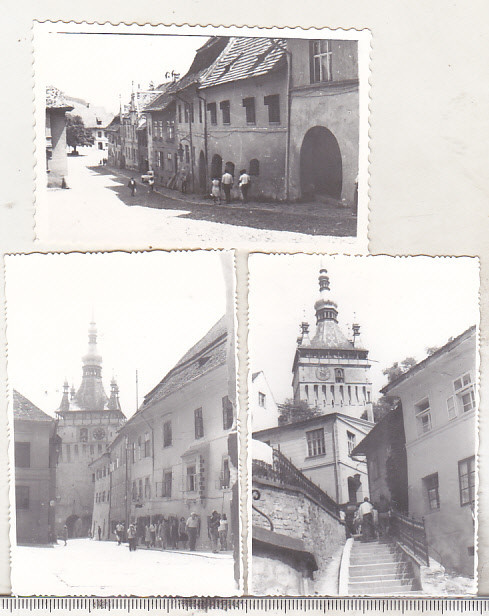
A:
x: 151, y: 185
x: 131, y: 537
x: 365, y: 511
x: 147, y: 536
x: 193, y: 523
x: 383, y: 509
x: 223, y: 532
x: 132, y: 186
x: 99, y: 533
x: 184, y: 181
x: 227, y: 183
x: 216, y: 191
x: 118, y: 533
x: 214, y: 522
x: 65, y: 534
x: 182, y: 533
x: 244, y: 184
x: 152, y: 532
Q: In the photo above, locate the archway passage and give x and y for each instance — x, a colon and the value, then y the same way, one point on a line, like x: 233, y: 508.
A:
x: 320, y: 164
x: 74, y: 525
x: 216, y: 166
x: 202, y: 172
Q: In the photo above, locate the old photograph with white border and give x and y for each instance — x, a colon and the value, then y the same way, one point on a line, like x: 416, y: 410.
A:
x: 124, y: 433
x: 363, y: 401
x: 201, y: 136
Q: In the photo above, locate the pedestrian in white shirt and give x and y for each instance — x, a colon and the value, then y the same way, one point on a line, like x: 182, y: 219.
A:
x: 365, y: 512
x: 244, y: 184
x: 227, y: 183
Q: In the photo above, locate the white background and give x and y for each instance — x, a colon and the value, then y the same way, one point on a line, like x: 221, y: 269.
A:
x: 429, y: 134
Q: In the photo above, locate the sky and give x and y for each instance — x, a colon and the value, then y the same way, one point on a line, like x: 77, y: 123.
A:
x: 150, y: 308
x: 100, y: 67
x: 404, y: 305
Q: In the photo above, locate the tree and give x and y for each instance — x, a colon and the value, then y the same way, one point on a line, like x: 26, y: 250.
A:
x: 384, y: 405
x: 398, y: 369
x: 76, y: 133
x: 431, y: 350
x: 291, y: 411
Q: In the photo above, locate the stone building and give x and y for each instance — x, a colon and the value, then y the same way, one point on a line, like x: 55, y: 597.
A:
x: 88, y: 421
x: 114, y: 143
x: 100, y: 469
x: 286, y: 110
x: 56, y: 155
x: 35, y: 447
x: 173, y: 455
x: 439, y: 408
x: 324, y: 119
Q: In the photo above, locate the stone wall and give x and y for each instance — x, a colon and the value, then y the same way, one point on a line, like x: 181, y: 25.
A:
x: 296, y: 515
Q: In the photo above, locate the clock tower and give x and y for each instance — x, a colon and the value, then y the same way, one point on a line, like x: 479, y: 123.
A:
x: 331, y: 372
x: 88, y: 420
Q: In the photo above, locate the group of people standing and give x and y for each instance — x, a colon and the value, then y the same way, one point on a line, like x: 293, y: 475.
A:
x: 372, y: 520
x: 170, y: 533
x: 226, y: 183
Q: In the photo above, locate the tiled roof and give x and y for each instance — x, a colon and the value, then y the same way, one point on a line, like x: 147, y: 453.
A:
x: 25, y: 409
x: 55, y: 99
x: 328, y: 336
x: 89, y: 113
x: 207, y: 354
x: 245, y: 57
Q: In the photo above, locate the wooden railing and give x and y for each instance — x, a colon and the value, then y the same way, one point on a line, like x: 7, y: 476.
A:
x: 411, y: 534
x: 284, y: 473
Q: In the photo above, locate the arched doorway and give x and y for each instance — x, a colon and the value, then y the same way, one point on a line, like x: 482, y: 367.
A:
x: 216, y: 166
x: 202, y: 172
x: 321, y: 167
x: 74, y: 524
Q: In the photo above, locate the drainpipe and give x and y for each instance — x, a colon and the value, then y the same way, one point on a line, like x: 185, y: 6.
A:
x: 335, y: 457
x: 205, y: 139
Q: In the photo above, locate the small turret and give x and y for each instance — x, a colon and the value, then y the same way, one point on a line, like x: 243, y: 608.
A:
x: 65, y: 401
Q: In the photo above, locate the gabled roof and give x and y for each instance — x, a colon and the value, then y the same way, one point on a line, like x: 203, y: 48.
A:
x: 208, y: 354
x: 245, y: 57
x: 55, y: 99
x: 430, y: 359
x: 255, y: 374
x: 390, y: 418
x: 26, y: 410
x: 89, y: 113
x: 361, y: 423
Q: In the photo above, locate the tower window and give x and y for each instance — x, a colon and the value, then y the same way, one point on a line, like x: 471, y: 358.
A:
x: 332, y: 394
x: 339, y: 375
x: 83, y: 435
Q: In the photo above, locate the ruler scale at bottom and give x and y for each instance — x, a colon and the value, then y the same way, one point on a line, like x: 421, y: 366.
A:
x: 253, y: 605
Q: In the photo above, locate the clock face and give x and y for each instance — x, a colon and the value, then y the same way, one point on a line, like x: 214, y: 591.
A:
x: 99, y: 434
x: 323, y: 374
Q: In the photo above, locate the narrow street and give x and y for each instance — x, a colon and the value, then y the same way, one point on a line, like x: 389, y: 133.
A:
x: 87, y: 567
x: 99, y: 209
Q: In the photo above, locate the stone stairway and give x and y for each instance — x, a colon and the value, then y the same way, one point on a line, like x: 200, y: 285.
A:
x: 380, y: 568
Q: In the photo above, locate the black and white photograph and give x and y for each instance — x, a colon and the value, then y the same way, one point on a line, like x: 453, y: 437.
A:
x: 124, y: 446
x: 363, y: 402
x: 218, y: 137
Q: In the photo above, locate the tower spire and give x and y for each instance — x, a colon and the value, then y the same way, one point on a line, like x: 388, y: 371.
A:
x: 326, y: 309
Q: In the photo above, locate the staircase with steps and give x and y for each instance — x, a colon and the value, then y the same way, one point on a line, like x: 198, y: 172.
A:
x: 380, y: 568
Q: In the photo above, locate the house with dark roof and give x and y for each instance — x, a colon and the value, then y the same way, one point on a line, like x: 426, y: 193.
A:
x: 439, y: 410
x: 173, y: 456
x: 286, y: 110
x: 56, y: 155
x: 35, y: 453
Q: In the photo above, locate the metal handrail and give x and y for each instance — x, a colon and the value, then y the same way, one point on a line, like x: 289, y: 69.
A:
x: 411, y: 533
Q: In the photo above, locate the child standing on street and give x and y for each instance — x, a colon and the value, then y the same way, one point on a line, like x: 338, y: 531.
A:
x: 216, y: 191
